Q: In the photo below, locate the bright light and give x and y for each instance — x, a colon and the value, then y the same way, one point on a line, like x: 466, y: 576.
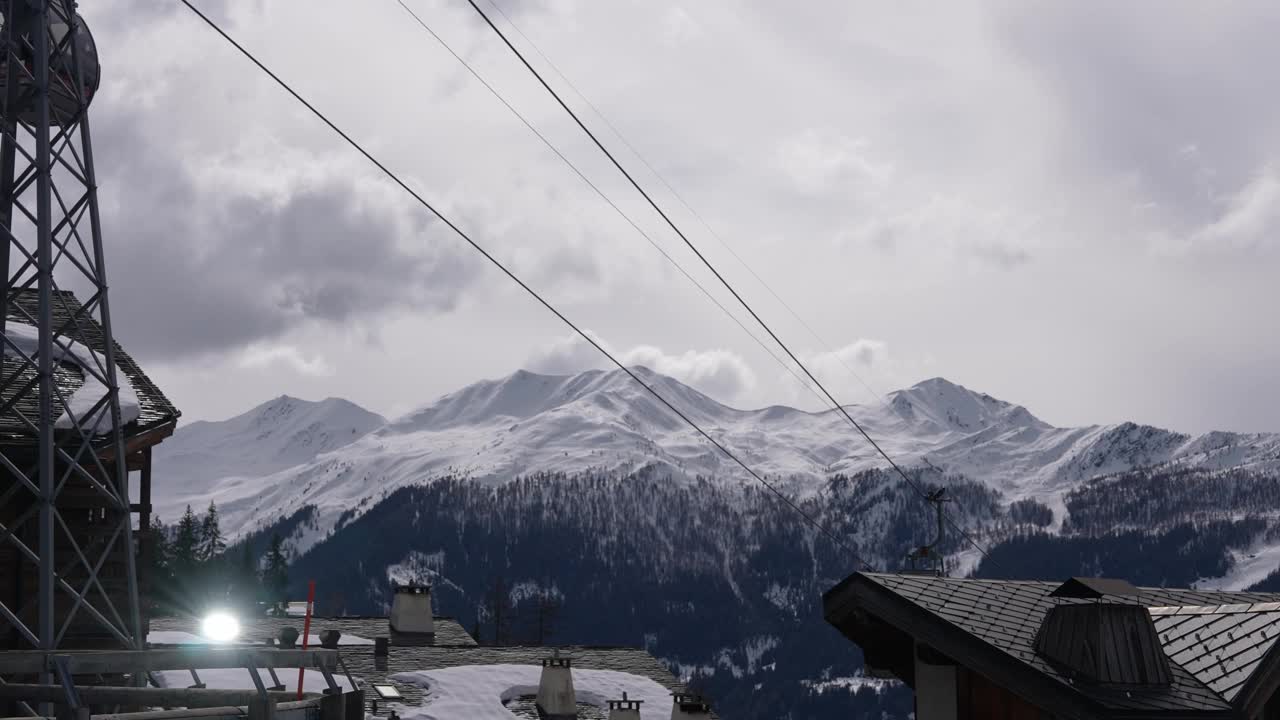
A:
x: 220, y: 627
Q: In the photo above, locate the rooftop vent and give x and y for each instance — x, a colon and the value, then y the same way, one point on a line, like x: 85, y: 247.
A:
x: 411, y: 611
x: 624, y: 709
x: 1097, y: 636
x: 556, y: 699
x: 689, y: 706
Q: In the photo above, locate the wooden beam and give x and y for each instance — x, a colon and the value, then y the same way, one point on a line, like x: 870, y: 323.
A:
x: 144, y: 499
x: 148, y: 696
x: 133, y: 463
x: 140, y: 442
x: 201, y: 658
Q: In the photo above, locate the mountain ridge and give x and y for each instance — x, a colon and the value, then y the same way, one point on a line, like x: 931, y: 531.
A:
x: 287, y: 454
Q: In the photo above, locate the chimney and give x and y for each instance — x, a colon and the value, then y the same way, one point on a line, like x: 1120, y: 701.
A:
x: 556, y: 700
x: 689, y: 706
x: 1099, y: 636
x: 329, y: 638
x: 624, y: 709
x: 411, y: 612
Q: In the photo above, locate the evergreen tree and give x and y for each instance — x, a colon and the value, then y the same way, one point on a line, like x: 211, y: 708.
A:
x: 275, y: 576
x: 248, y: 569
x: 499, y: 609
x: 212, y: 543
x: 159, y: 564
x: 161, y: 558
x: 186, y: 547
x: 245, y: 581
x: 546, y: 612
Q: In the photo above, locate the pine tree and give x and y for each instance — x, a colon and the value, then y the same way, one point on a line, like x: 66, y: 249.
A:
x: 212, y: 544
x: 159, y: 564
x: 247, y: 581
x: 186, y: 547
x: 275, y: 576
x: 546, y: 613
x: 161, y: 551
x: 499, y: 609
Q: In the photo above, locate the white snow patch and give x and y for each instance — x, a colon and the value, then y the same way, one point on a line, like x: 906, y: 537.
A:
x: 530, y: 590
x: 1251, y: 566
x: 477, y: 692
x: 755, y: 648
x: 178, y: 637
x: 964, y: 562
x: 175, y: 637
x: 27, y: 339
x: 416, y: 567
x: 784, y: 597
x: 851, y: 683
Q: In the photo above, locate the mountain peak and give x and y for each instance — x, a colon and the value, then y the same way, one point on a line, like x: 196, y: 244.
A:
x: 949, y: 405
x: 524, y: 394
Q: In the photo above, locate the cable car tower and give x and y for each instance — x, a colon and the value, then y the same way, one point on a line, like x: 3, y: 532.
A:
x: 66, y: 541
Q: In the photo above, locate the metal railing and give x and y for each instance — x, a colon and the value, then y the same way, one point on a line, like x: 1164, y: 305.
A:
x: 262, y: 702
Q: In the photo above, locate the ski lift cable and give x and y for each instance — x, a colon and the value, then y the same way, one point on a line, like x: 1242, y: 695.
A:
x: 680, y: 199
x: 395, y: 178
x: 694, y: 248
x: 569, y: 163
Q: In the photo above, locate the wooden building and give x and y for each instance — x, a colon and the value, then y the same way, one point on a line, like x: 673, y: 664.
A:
x: 85, y: 513
x: 1080, y: 650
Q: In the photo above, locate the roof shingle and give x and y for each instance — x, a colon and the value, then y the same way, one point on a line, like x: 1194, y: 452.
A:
x: 1215, y: 640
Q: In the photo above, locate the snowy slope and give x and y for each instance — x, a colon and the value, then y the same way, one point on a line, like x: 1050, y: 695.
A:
x: 287, y: 455
x: 278, y: 434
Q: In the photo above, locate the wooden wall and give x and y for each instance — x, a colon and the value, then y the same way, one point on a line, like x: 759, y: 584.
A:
x: 980, y: 699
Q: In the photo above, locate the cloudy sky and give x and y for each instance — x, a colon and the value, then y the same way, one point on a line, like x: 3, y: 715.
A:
x: 1072, y: 206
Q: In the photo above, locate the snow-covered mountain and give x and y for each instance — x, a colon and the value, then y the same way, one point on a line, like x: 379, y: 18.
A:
x: 279, y: 434
x: 289, y: 454
x: 586, y: 486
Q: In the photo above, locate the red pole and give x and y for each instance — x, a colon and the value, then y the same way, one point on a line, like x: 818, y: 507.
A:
x: 306, y: 628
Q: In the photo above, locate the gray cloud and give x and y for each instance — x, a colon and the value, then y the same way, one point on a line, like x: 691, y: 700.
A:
x: 1170, y: 99
x: 983, y: 185
x: 200, y: 266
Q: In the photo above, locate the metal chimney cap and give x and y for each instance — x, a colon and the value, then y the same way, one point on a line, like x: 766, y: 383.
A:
x: 1087, y: 588
x: 411, y: 588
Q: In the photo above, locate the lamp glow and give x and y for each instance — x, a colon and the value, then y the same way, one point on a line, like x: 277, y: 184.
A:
x: 220, y: 627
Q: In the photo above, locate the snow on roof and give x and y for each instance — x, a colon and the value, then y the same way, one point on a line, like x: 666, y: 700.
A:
x: 27, y: 339
x: 175, y: 637
x: 477, y: 692
x: 178, y: 637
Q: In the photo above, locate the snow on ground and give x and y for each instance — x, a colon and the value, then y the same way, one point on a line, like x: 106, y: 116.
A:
x: 27, y: 339
x: 476, y: 692
x: 240, y: 679
x: 1251, y: 566
x: 851, y: 683
x: 966, y: 561
x: 177, y: 637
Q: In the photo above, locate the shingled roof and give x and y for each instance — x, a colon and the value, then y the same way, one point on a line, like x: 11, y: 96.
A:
x: 155, y: 409
x: 1221, y: 645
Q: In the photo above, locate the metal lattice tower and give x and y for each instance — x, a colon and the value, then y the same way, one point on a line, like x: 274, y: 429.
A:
x: 64, y: 471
